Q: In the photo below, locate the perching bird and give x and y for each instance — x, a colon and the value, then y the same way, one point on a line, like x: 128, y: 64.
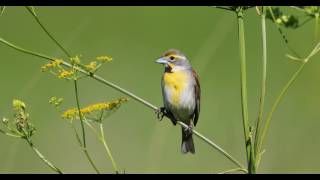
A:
x: 181, y: 94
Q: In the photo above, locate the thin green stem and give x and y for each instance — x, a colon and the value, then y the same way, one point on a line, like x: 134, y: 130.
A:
x: 275, y: 105
x: 264, y: 77
x: 85, y: 151
x: 47, y: 162
x: 215, y: 146
x: 83, y: 145
x: 281, y: 33
x: 50, y: 59
x: 316, y: 26
x: 93, y: 129
x: 234, y: 170
x: 103, y: 140
x: 9, y: 134
x: 80, y: 114
x: 118, y: 88
x: 47, y: 32
x: 244, y: 96
x: 75, y: 81
x: 280, y: 97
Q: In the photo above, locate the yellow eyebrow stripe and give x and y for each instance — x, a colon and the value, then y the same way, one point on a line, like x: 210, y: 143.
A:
x: 176, y: 56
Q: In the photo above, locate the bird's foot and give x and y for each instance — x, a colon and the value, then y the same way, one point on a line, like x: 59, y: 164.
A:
x: 188, y: 131
x: 161, y: 112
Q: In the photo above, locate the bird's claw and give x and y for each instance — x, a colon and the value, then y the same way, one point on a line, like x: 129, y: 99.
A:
x: 160, y: 113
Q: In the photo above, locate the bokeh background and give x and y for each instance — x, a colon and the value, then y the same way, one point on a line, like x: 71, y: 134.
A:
x: 135, y: 37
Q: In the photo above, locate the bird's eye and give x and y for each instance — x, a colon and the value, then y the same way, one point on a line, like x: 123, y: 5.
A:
x: 171, y: 57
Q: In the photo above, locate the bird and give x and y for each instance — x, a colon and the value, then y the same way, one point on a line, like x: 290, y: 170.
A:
x: 181, y: 94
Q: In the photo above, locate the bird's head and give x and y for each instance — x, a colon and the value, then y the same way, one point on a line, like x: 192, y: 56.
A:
x: 174, y: 60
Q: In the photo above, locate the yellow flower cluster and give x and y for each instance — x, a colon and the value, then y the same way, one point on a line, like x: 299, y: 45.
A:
x: 52, y: 64
x: 73, y: 113
x: 104, y: 58
x: 70, y: 114
x: 91, y: 66
x: 65, y: 74
x: 75, y: 60
x: 17, y: 104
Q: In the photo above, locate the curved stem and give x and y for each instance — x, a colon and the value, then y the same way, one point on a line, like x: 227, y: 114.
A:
x: 244, y: 96
x: 83, y: 145
x: 85, y: 151
x: 47, y: 32
x: 9, y: 134
x: 47, y: 162
x: 265, y: 129
x: 103, y: 140
x: 275, y: 105
x: 264, y: 77
x: 118, y: 88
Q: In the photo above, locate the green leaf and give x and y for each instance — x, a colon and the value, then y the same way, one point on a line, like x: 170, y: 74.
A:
x: 2, y: 8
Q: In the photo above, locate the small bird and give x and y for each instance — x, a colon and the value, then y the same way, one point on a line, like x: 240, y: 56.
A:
x: 181, y: 94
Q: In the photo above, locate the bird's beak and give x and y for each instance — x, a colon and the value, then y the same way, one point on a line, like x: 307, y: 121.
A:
x: 161, y: 61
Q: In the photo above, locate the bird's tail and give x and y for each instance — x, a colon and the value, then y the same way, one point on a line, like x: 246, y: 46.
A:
x: 187, y: 143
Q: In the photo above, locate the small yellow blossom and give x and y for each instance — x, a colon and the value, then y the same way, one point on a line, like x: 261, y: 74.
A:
x: 91, y: 66
x: 75, y: 60
x: 55, y: 101
x: 17, y: 104
x: 65, y: 74
x: 52, y: 64
x: 104, y: 58
x: 70, y: 114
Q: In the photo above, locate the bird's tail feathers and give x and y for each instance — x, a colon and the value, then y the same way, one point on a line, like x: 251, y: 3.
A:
x: 187, y: 144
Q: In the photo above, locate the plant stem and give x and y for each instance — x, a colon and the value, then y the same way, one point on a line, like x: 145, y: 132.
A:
x: 47, y: 32
x: 48, y: 163
x: 316, y: 26
x: 85, y: 151
x: 275, y: 105
x: 281, y: 33
x: 244, y: 97
x: 103, y: 140
x: 80, y: 114
x: 116, y: 87
x: 264, y: 78
x: 215, y: 146
x: 234, y: 170
x: 9, y: 134
x: 265, y: 129
x: 83, y: 145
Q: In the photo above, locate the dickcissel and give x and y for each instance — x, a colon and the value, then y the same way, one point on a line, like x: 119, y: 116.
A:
x: 181, y: 94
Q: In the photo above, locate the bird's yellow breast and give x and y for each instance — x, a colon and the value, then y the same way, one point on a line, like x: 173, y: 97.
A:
x: 176, y: 83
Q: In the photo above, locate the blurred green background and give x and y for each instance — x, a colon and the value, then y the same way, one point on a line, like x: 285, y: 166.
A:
x: 135, y: 37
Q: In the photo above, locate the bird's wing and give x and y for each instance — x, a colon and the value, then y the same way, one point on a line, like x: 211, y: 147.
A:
x: 197, y: 92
